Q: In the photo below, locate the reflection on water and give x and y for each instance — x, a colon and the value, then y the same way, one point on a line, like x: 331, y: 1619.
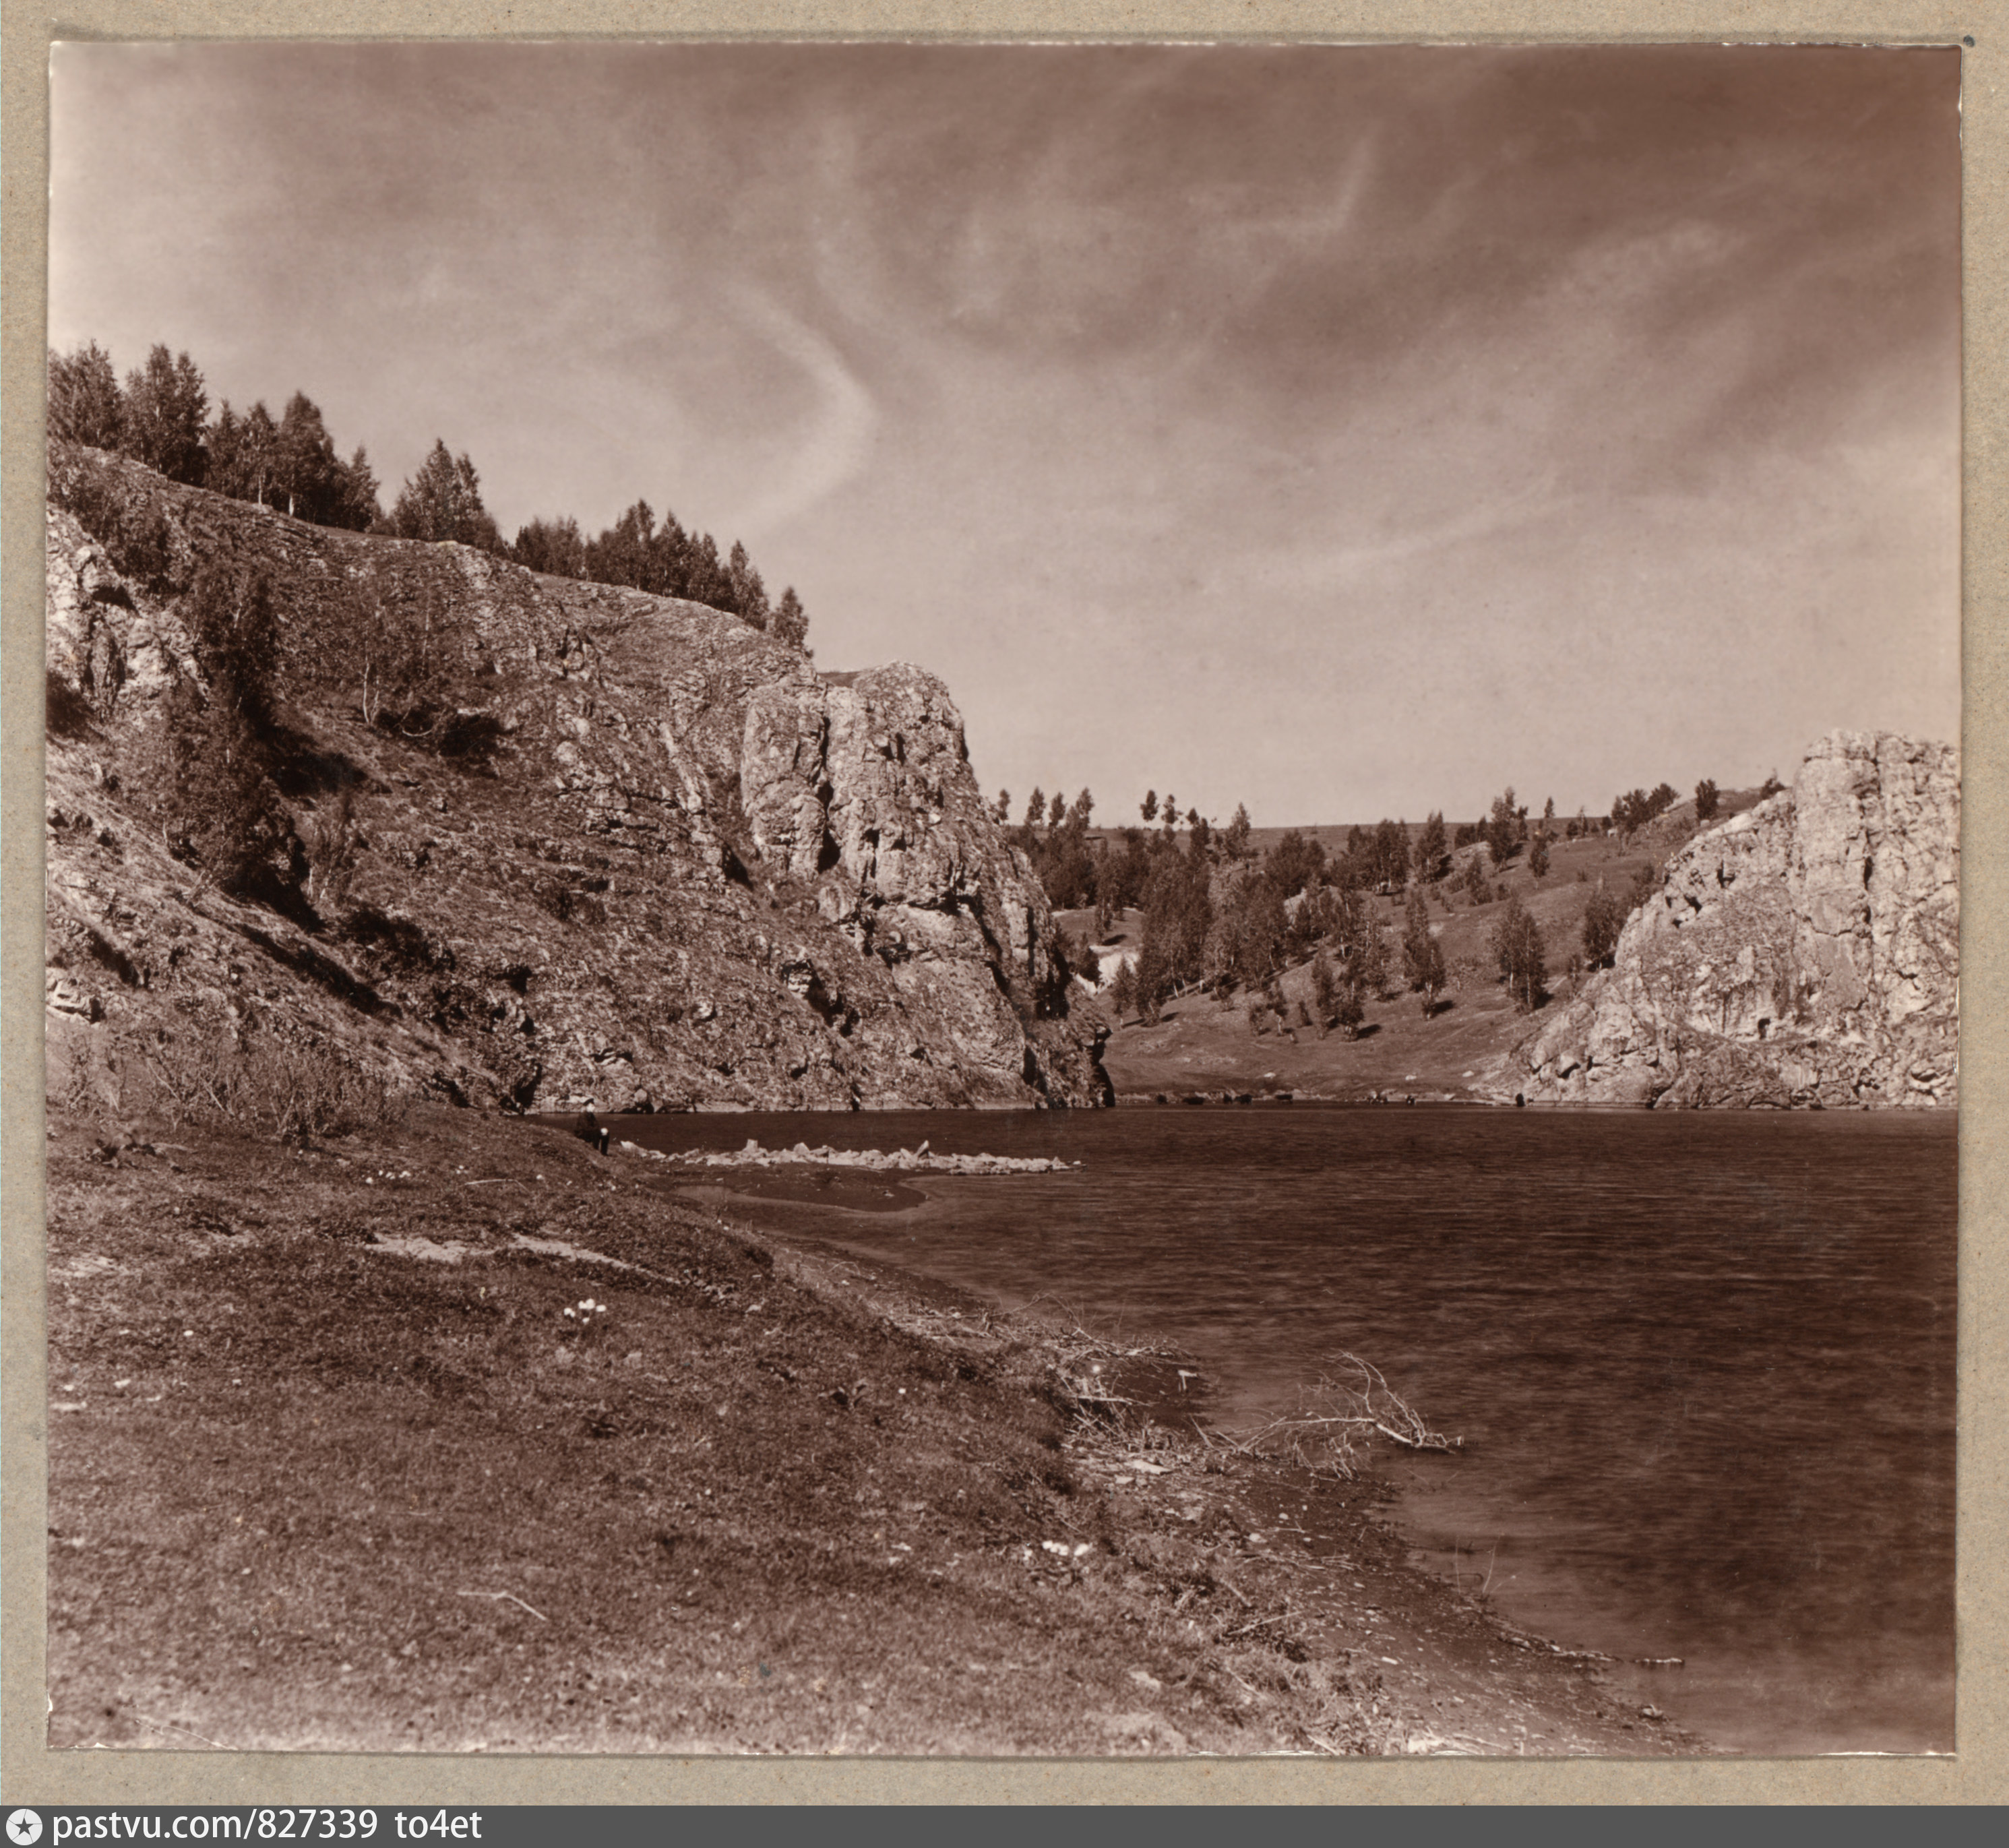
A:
x: 1703, y: 1362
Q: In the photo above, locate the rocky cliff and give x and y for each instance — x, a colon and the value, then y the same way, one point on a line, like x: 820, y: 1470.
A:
x: 655, y: 861
x: 1806, y: 952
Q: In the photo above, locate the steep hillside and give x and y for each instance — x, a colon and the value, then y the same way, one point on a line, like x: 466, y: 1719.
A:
x: 1807, y: 952
x: 650, y: 859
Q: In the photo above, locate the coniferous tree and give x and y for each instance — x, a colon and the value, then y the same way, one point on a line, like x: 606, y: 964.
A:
x: 442, y: 502
x: 224, y: 441
x: 85, y: 403
x: 166, y: 412
x: 1294, y: 862
x: 1371, y: 964
x: 306, y: 473
x: 1502, y: 828
x: 749, y: 595
x: 791, y: 623
x: 1179, y: 915
x: 706, y: 580
x: 1707, y: 800
x: 219, y: 809
x: 1234, y: 837
x: 627, y: 553
x: 1416, y: 939
x: 1391, y: 854
x: 1257, y: 930
x: 554, y: 546
x: 1422, y: 955
x: 1123, y: 989
x: 1432, y: 850
x: 253, y: 449
x: 355, y: 504
x: 1325, y: 991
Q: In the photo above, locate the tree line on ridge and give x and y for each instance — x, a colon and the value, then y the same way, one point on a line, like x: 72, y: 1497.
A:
x: 160, y: 417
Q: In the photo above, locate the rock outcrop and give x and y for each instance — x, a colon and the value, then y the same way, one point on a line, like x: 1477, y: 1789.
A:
x: 1806, y: 952
x: 667, y: 865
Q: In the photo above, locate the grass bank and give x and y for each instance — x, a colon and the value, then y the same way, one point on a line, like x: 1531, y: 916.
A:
x: 332, y: 1466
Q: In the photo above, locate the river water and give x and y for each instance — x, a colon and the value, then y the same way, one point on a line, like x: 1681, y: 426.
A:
x: 1702, y: 1363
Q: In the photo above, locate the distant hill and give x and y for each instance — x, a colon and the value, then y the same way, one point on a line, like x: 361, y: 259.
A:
x: 1879, y: 1026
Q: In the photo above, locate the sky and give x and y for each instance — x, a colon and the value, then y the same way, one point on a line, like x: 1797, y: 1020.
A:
x: 1340, y: 431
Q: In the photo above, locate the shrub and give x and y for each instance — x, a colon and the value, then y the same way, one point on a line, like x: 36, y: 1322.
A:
x: 219, y: 809
x: 333, y: 843
x: 133, y: 530
x: 65, y: 711
x: 294, y: 1090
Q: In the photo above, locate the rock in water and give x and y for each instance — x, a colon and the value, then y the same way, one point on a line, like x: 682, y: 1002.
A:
x: 1806, y: 952
x: 637, y: 854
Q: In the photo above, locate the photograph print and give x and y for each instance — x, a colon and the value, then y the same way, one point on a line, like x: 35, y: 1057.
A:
x: 999, y: 900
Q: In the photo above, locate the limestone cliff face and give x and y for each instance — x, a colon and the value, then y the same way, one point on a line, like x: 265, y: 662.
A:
x: 683, y: 871
x: 1806, y: 952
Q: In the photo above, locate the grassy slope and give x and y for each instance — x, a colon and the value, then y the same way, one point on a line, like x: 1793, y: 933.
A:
x: 1205, y: 1045
x: 329, y: 1467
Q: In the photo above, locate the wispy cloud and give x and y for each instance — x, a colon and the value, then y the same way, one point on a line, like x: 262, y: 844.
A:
x: 1318, y: 567
x: 838, y: 441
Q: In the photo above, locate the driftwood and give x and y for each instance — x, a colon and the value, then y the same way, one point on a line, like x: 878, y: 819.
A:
x: 1337, y: 1419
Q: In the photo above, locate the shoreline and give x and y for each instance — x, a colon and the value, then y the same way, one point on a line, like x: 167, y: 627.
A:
x: 860, y: 1466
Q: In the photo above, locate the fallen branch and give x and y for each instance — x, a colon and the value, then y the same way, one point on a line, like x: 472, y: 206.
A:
x: 1337, y: 1418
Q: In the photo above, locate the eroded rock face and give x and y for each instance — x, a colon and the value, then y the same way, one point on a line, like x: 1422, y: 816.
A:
x: 1806, y: 952
x: 97, y: 640
x: 686, y: 870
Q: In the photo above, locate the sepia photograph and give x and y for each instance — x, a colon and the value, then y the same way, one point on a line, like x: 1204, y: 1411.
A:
x: 999, y: 900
